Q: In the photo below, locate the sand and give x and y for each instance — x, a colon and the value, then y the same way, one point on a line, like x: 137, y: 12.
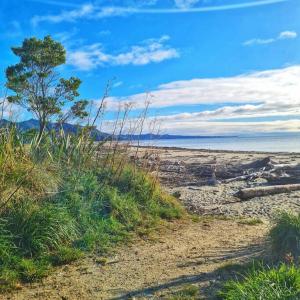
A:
x: 186, y: 253
x: 180, y: 172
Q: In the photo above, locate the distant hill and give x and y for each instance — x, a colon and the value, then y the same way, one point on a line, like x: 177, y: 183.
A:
x: 68, y: 128
x: 97, y: 134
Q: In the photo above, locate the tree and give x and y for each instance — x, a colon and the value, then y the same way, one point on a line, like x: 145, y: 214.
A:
x: 37, y: 84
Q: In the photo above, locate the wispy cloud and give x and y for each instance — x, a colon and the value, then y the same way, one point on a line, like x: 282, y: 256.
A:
x: 91, y: 11
x: 284, y: 35
x: 117, y: 84
x: 149, y: 51
x: 57, y: 3
x: 85, y: 11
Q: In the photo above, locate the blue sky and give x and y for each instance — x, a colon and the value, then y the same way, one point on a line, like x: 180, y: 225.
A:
x: 210, y: 66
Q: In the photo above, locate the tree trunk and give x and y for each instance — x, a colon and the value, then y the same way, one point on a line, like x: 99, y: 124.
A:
x: 41, y: 131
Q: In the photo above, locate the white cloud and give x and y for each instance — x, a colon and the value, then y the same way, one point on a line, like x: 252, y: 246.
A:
x: 287, y: 35
x: 243, y: 99
x: 284, y: 35
x: 10, y: 111
x: 92, y: 11
x: 272, y: 86
x: 240, y: 111
x: 192, y: 127
x: 150, y: 51
x: 85, y: 11
x: 184, y: 4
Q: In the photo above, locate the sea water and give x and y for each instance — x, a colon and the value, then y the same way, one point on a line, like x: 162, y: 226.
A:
x: 278, y: 143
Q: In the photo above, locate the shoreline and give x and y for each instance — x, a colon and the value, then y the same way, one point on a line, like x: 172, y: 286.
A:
x: 172, y: 148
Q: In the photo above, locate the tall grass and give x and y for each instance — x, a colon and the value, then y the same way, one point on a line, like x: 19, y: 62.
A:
x: 63, y: 196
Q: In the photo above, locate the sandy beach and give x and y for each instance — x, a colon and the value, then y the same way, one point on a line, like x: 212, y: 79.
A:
x: 187, y: 174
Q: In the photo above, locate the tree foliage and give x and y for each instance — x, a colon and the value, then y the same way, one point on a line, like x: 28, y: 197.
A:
x: 37, y: 85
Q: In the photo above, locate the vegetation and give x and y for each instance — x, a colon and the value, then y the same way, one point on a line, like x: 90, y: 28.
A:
x: 77, y: 205
x: 265, y: 283
x: 279, y: 282
x: 251, y: 221
x: 37, y: 85
x: 285, y: 236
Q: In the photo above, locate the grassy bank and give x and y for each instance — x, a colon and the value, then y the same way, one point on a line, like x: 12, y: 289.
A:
x: 64, y: 197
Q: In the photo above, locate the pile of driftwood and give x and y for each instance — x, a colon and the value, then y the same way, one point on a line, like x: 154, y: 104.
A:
x: 277, y: 177
x: 280, y: 178
x: 267, y: 169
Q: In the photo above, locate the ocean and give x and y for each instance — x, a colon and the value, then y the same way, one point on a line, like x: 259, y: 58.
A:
x: 278, y: 143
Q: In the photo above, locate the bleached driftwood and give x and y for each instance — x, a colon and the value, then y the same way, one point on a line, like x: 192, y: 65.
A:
x: 274, y: 173
x: 249, y: 193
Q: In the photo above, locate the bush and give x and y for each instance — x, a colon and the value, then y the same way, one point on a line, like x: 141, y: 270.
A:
x: 285, y: 235
x: 281, y: 283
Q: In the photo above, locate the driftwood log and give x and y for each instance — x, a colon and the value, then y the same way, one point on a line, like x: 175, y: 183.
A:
x: 261, y: 191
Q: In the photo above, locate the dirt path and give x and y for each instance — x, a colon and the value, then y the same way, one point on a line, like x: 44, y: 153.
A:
x: 186, y: 253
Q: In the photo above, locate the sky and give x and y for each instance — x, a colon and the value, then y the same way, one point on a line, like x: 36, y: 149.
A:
x: 208, y: 67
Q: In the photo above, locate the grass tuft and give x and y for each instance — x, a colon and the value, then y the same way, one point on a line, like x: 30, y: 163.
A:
x: 250, y: 222
x: 285, y: 235
x: 265, y: 283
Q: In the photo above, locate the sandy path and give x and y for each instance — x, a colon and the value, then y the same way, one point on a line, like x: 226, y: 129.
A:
x: 186, y: 252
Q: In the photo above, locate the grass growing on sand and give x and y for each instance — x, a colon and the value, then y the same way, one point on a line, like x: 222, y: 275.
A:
x: 58, y: 202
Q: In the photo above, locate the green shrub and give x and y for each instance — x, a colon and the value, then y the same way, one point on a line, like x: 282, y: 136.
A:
x: 285, y: 235
x: 281, y: 283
